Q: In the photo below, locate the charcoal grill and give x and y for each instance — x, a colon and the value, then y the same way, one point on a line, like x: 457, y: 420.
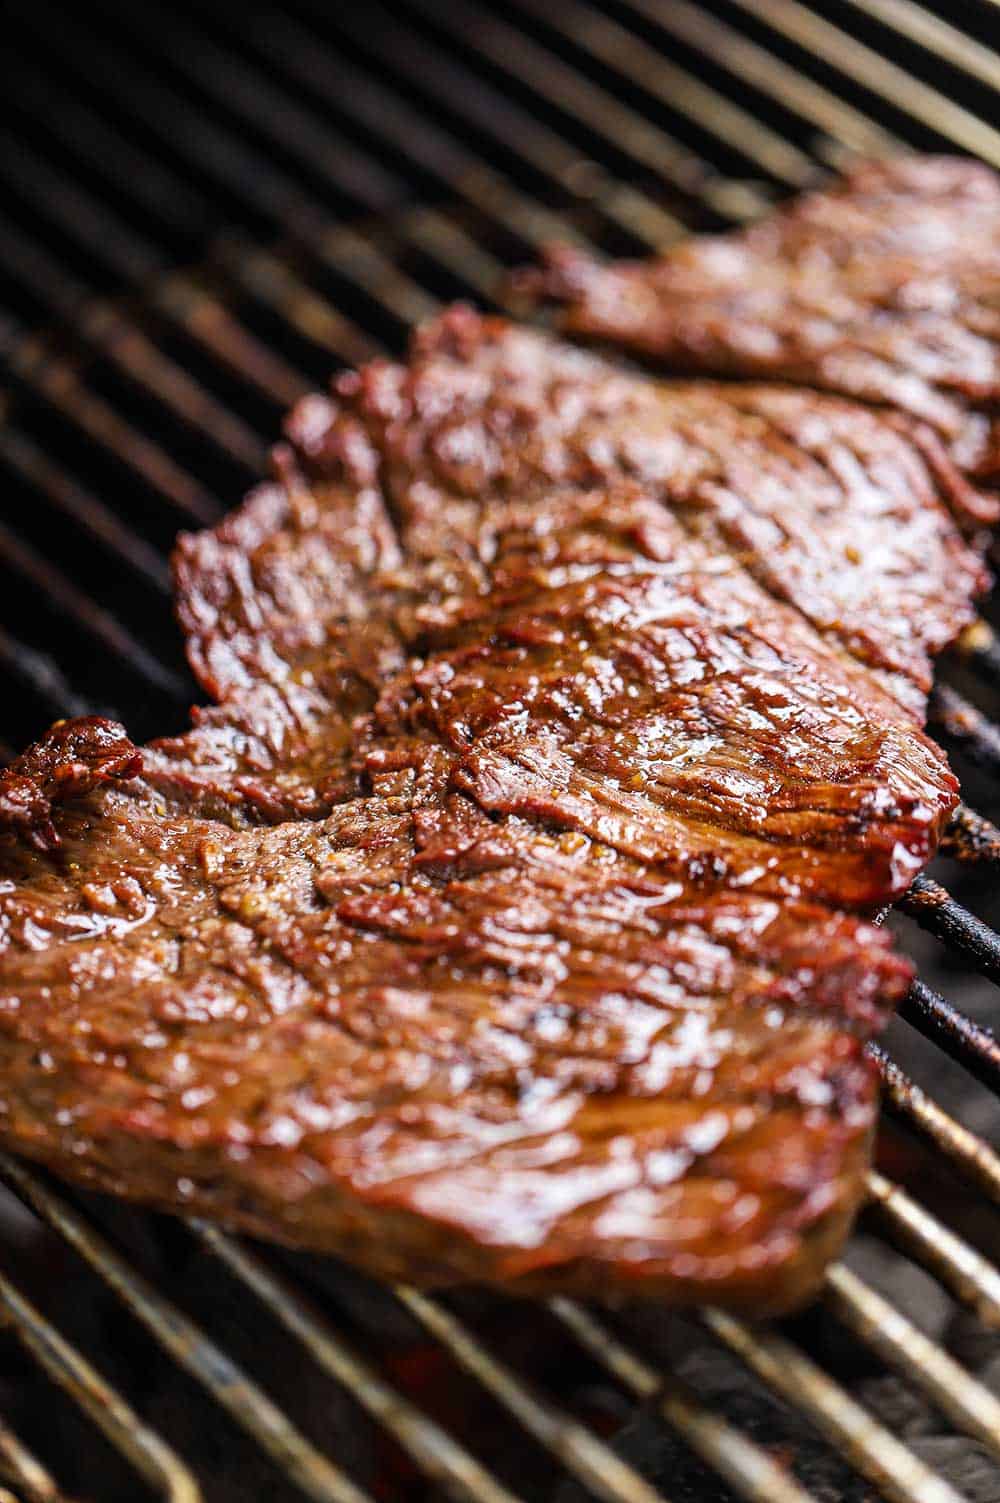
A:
x: 206, y: 211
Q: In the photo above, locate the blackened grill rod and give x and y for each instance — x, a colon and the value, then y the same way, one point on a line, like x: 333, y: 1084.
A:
x: 967, y: 1042
x: 936, y: 910
x: 970, y: 837
x: 966, y: 726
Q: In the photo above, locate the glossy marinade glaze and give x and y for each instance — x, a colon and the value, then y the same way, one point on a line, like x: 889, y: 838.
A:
x: 506, y: 916
x: 883, y: 286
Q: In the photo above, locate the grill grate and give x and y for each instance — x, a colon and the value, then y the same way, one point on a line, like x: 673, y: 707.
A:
x: 185, y: 233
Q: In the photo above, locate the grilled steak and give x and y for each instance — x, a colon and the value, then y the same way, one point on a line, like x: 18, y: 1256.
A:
x: 504, y: 919
x: 884, y: 286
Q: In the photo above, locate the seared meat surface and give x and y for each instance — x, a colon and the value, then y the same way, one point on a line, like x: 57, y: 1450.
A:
x: 505, y: 917
x: 885, y: 286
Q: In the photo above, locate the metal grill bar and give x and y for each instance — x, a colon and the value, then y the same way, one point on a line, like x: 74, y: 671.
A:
x: 936, y: 35
x: 19, y: 1467
x: 496, y: 114
x: 587, y: 1458
x: 441, y: 1458
x: 969, y: 837
x: 744, y: 1466
x: 205, y: 321
x: 873, y: 71
x: 271, y: 283
x: 902, y: 1346
x: 957, y: 1265
x: 151, y: 1457
x: 603, y: 39
x: 875, y: 1451
x: 849, y: 130
x: 190, y: 1348
x: 966, y: 726
x: 967, y: 1151
x: 594, y: 108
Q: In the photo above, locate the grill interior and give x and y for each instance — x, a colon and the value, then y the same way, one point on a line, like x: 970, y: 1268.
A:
x: 206, y: 210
